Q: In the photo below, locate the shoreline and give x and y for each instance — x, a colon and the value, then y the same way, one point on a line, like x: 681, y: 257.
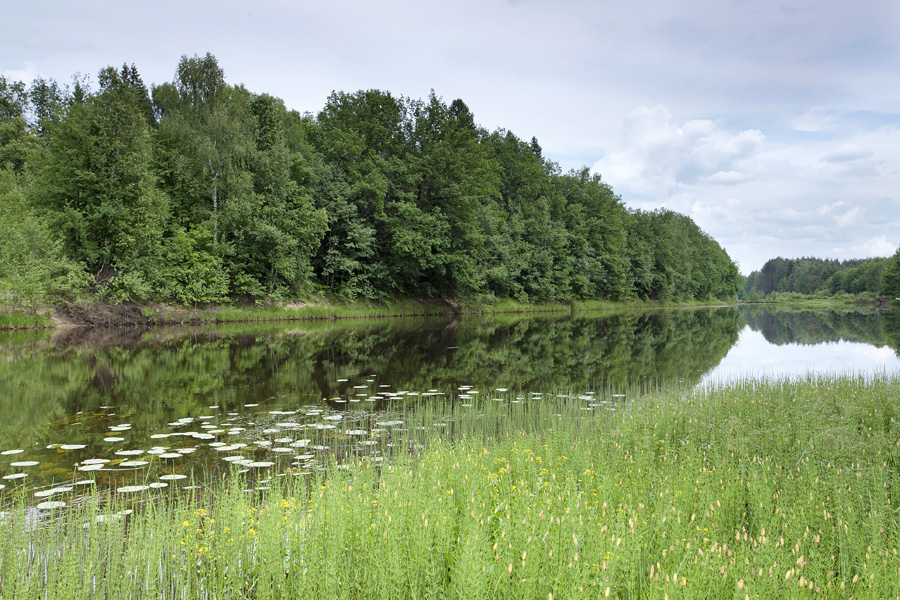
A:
x: 96, y: 314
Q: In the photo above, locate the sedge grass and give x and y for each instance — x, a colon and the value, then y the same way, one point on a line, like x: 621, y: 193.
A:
x: 761, y: 489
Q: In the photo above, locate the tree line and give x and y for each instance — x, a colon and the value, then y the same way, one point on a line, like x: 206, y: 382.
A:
x: 197, y: 191
x: 824, y: 277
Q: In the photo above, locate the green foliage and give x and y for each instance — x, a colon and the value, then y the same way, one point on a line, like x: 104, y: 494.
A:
x: 96, y: 186
x: 192, y: 272
x: 814, y: 276
x: 200, y: 191
x: 891, y: 278
x: 33, y: 265
x: 673, y: 259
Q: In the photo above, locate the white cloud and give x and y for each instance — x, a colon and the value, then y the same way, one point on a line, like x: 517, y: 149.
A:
x: 847, y: 152
x: 656, y: 156
x: 815, y: 119
x: 726, y: 178
x: 848, y: 218
x: 877, y: 246
x: 27, y: 74
x: 827, y: 209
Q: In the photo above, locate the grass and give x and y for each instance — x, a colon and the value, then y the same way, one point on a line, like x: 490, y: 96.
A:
x: 820, y: 299
x: 20, y: 319
x: 310, y: 309
x: 328, y: 309
x: 760, y: 489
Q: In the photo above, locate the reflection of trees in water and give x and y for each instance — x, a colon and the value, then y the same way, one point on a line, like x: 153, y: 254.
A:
x: 156, y: 376
x: 785, y: 326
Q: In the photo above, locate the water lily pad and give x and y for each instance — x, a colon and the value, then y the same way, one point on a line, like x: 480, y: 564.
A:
x: 92, y: 467
x: 129, y: 452
x: 172, y: 477
x: 8, y: 452
x: 14, y: 476
x: 236, y: 458
x: 72, y: 446
x: 159, y: 485
x: 259, y: 464
x: 113, y: 439
x: 57, y: 490
x: 283, y: 450
x: 130, y: 489
x: 95, y: 461
x: 133, y: 463
x: 169, y: 455
x: 24, y: 463
x: 51, y: 505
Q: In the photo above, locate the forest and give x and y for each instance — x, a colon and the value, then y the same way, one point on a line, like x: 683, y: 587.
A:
x: 196, y: 191
x: 824, y: 277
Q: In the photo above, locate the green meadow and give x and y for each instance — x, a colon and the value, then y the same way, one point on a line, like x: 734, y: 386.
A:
x: 760, y: 489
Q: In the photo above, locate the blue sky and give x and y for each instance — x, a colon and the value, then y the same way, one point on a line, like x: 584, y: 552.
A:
x: 775, y: 125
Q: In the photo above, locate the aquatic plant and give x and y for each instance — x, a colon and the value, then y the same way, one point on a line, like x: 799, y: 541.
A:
x: 782, y: 488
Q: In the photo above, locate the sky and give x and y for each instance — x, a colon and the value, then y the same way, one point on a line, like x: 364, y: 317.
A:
x: 775, y: 125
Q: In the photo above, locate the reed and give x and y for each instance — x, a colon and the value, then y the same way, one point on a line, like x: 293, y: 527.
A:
x: 759, y: 489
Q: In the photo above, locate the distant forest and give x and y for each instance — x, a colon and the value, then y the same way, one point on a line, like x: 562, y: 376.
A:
x: 197, y: 191
x: 816, y: 276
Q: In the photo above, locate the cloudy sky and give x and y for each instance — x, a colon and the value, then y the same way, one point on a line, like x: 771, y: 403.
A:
x: 774, y: 124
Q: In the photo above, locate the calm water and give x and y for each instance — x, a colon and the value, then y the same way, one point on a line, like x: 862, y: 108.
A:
x: 161, y: 407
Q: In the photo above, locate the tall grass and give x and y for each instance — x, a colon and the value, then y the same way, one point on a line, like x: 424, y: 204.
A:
x: 760, y: 489
x: 20, y: 319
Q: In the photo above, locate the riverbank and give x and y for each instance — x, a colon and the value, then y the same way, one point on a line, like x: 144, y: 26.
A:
x: 98, y: 314
x: 762, y: 489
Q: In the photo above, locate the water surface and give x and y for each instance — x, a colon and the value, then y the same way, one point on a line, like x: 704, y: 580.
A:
x: 170, y: 406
